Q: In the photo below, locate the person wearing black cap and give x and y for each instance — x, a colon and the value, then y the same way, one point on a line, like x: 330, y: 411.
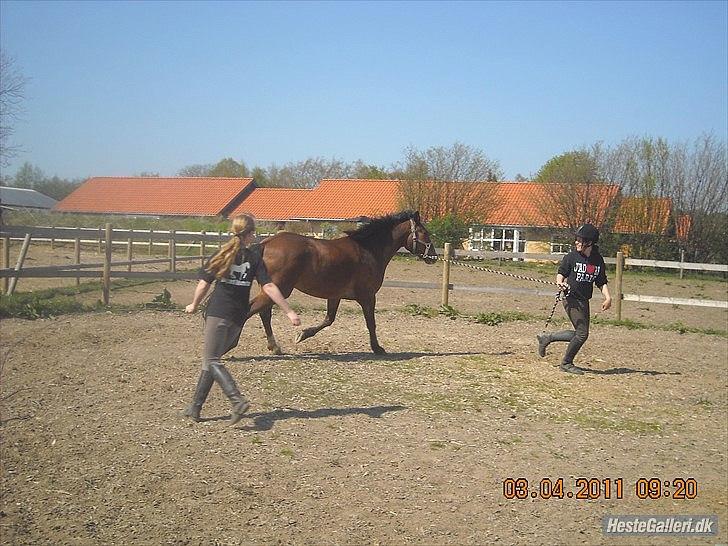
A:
x: 579, y: 271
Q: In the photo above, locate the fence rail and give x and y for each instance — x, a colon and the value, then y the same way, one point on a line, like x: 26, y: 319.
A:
x: 107, y: 237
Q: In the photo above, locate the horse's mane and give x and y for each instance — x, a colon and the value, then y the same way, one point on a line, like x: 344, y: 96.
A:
x: 377, y: 227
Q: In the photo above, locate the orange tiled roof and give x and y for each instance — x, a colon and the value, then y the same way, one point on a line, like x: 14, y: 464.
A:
x: 519, y: 203
x: 341, y: 199
x: 643, y: 215
x: 330, y: 200
x: 157, y: 196
x: 682, y: 226
x: 274, y: 203
x: 336, y: 199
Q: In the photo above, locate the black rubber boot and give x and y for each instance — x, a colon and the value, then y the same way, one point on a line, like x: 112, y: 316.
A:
x: 543, y: 342
x: 227, y: 384
x: 204, y: 384
x: 570, y: 368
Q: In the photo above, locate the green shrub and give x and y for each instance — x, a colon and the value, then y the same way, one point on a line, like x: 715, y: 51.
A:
x: 494, y: 319
x: 420, y: 311
x: 448, y: 229
x: 162, y: 301
x: 449, y: 311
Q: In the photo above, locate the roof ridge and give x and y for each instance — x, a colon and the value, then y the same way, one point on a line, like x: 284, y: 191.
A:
x: 172, y: 177
x: 20, y: 189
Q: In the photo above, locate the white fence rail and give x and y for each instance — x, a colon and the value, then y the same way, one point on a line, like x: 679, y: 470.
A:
x: 106, y: 238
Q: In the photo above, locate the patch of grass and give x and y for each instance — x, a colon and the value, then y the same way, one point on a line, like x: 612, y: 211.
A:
x: 256, y: 440
x: 416, y: 310
x: 672, y: 327
x: 509, y: 441
x: 53, y: 302
x: 627, y: 323
x: 605, y: 422
x: 34, y: 306
x: 704, y: 403
x: 449, y: 311
x: 161, y: 301
x: 494, y: 319
x: 287, y: 452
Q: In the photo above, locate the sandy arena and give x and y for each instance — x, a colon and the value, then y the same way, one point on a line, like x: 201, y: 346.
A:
x: 344, y: 447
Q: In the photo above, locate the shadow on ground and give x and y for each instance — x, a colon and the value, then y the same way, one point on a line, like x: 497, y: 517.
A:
x: 619, y: 371
x: 360, y: 356
x: 266, y: 421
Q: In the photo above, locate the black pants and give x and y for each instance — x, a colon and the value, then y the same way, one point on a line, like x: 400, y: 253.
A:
x: 578, y: 313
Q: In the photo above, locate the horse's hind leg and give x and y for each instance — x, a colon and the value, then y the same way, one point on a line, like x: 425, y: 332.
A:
x: 262, y: 304
x: 331, y: 307
x: 367, y: 305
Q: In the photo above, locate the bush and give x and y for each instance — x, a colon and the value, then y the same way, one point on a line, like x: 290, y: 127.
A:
x: 494, y: 319
x: 448, y: 229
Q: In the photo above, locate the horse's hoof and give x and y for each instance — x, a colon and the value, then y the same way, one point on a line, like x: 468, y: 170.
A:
x: 299, y: 337
x: 379, y: 351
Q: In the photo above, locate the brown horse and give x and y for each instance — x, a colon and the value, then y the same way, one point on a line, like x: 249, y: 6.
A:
x: 349, y: 268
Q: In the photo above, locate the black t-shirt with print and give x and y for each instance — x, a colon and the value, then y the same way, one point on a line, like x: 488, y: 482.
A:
x: 229, y: 298
x: 582, y: 273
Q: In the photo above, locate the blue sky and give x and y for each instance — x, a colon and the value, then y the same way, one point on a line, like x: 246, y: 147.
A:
x: 117, y: 88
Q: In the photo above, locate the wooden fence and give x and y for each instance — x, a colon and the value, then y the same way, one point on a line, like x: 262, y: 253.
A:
x: 106, y: 238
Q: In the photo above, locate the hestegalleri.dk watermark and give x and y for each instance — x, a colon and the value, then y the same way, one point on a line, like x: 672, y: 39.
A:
x: 702, y: 525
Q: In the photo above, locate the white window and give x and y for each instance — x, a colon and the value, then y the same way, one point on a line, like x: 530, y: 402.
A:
x: 560, y: 246
x: 505, y: 239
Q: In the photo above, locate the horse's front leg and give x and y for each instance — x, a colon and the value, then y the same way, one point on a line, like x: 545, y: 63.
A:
x: 332, y: 306
x: 262, y: 304
x: 367, y: 305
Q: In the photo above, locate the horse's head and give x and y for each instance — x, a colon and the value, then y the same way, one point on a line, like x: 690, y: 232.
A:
x: 418, y: 241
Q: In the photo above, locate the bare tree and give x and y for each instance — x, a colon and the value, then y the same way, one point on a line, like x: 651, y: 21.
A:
x: 196, y: 170
x: 448, y: 180
x: 699, y: 193
x: 307, y: 173
x: 574, y: 191
x: 12, y: 95
x: 685, y: 183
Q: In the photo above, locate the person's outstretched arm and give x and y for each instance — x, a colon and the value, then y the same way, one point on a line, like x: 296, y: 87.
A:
x: 275, y: 294
x: 200, y: 293
x: 607, y: 303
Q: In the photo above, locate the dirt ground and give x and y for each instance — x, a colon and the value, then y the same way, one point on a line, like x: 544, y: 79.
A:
x: 344, y: 447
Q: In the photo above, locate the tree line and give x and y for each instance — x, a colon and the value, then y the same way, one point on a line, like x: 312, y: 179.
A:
x: 689, y: 176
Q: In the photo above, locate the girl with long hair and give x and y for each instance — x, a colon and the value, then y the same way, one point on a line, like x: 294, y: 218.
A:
x: 232, y: 269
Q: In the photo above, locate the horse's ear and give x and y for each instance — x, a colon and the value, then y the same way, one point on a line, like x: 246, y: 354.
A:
x: 416, y: 216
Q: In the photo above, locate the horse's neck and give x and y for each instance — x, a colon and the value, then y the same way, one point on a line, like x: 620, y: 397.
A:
x: 399, y: 239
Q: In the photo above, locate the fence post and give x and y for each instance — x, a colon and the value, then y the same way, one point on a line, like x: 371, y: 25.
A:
x: 77, y: 253
x: 682, y: 261
x: 446, y: 275
x: 19, y: 265
x: 101, y: 237
x: 151, y: 231
x: 202, y: 249
x: 618, y: 283
x: 129, y: 251
x: 53, y: 237
x: 172, y: 252
x: 219, y: 240
x: 106, y: 281
x: 6, y: 262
